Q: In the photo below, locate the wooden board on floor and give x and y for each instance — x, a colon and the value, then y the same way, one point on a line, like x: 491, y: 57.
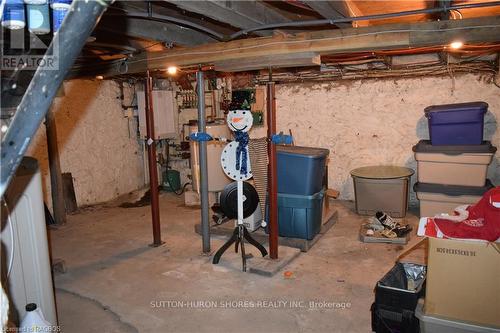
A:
x: 374, y: 239
x: 330, y: 216
x: 69, y: 193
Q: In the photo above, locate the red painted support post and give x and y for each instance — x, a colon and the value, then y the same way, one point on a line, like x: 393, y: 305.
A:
x: 272, y: 182
x: 153, y: 171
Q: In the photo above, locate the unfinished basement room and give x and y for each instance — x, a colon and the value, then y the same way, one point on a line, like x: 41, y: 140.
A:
x: 250, y: 166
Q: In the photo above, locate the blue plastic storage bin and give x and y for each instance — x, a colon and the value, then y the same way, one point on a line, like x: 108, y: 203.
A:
x: 456, y: 124
x: 300, y: 169
x: 299, y: 216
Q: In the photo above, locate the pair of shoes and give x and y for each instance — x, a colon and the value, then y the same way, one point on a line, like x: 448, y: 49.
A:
x: 390, y: 224
x: 374, y: 224
x: 388, y: 233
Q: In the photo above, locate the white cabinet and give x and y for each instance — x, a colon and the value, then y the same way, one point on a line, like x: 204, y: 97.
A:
x: 165, y: 114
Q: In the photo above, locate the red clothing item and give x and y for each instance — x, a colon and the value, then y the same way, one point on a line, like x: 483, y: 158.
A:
x: 483, y: 221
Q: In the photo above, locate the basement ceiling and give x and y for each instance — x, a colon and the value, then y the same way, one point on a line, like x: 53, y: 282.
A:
x: 144, y: 31
x: 129, y: 28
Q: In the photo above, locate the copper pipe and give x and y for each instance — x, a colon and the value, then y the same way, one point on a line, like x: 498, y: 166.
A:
x: 272, y: 183
x: 213, y: 109
x: 153, y: 171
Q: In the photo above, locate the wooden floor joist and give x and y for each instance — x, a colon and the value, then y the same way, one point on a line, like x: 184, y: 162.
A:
x: 335, y: 41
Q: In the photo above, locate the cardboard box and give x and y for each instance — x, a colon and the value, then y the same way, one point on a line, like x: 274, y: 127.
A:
x: 463, y: 281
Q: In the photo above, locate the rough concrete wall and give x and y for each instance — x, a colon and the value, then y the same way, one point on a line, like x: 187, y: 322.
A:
x: 95, y: 143
x: 370, y: 122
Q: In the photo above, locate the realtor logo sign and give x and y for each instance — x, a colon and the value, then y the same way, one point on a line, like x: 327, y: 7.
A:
x: 27, y: 52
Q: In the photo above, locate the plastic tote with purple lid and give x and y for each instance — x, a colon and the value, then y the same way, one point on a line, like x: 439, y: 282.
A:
x: 456, y: 124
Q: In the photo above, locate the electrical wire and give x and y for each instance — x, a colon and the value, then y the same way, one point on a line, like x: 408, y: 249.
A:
x: 349, y: 72
x: 469, y: 50
x: 182, y: 189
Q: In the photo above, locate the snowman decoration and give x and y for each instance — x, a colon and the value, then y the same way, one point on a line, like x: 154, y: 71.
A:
x: 235, y: 162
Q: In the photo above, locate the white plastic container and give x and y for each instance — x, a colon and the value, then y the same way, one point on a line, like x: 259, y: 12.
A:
x: 34, y: 321
x: 431, y: 324
x: 38, y: 18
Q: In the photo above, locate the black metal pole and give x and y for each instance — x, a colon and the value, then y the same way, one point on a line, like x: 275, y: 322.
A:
x: 62, y: 52
x: 205, y: 224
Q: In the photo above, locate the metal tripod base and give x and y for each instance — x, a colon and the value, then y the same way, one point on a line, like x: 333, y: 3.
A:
x: 238, y: 237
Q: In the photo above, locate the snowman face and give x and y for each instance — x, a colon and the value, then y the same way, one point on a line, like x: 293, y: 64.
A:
x: 240, y: 120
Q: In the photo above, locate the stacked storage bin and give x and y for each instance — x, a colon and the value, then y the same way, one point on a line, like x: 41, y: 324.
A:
x: 300, y: 190
x: 452, y: 165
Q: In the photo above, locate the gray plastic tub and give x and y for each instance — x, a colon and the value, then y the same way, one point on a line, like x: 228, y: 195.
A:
x: 382, y: 188
x: 431, y: 324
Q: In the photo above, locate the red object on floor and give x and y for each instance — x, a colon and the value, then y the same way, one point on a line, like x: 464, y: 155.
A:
x: 483, y: 221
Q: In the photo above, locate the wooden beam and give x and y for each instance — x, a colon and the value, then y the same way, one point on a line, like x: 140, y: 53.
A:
x: 383, y: 37
x: 331, y: 10
x: 285, y: 60
x: 239, y: 14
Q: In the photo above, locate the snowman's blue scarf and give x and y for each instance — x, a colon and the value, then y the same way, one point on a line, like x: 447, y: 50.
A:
x: 241, y: 151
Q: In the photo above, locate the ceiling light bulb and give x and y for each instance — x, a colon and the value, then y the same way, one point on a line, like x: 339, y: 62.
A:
x: 99, y: 77
x: 4, y: 128
x: 172, y: 70
x: 456, y: 45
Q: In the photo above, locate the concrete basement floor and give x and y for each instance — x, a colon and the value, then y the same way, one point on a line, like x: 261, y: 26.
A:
x: 115, y: 282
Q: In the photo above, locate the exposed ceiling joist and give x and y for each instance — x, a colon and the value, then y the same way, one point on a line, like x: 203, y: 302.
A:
x: 111, y: 46
x: 351, y: 40
x: 157, y: 31
x: 240, y: 14
x: 354, y: 12
x: 330, y: 10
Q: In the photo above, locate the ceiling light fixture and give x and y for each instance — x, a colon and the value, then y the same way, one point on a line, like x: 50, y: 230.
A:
x: 99, y: 77
x: 456, y: 45
x: 172, y: 70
